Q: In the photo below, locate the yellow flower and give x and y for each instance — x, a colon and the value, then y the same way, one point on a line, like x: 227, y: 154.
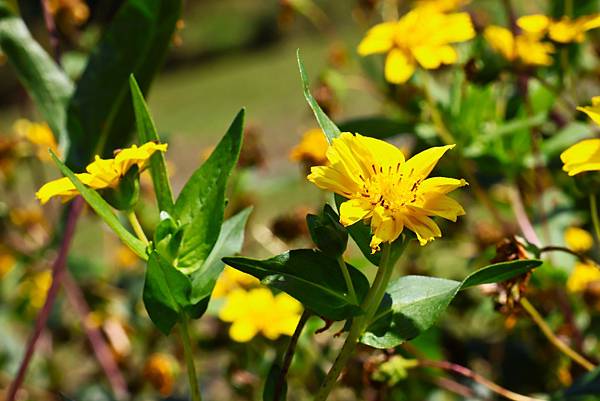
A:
x: 161, y: 371
x: 567, y: 30
x: 534, y: 24
x: 422, y: 36
x: 381, y: 186
x: 526, y: 47
x: 582, y: 275
x: 584, y: 155
x: 232, y: 279
x: 39, y: 135
x: 36, y: 287
x: 311, y: 149
x: 578, y: 239
x: 7, y: 261
x: 258, y: 311
x: 102, y: 173
x: 592, y: 111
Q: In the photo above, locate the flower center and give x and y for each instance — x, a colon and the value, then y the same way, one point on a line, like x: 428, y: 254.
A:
x: 392, y: 188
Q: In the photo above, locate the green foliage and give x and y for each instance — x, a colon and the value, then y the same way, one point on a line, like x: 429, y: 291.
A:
x: 311, y: 277
x: 100, y: 115
x: 271, y: 383
x: 104, y: 210
x: 327, y: 232
x: 413, y: 303
x: 45, y: 82
x: 586, y: 387
x: 201, y: 203
x: 146, y: 133
x: 166, y: 292
x: 329, y: 128
x: 379, y: 127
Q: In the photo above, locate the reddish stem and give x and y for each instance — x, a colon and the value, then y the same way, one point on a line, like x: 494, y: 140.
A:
x: 52, y: 31
x: 101, y: 349
x: 58, y: 271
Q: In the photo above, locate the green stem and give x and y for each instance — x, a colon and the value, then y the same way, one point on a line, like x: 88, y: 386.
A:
x: 595, y: 220
x: 189, y: 357
x: 137, y: 227
x: 359, y: 324
x: 347, y: 278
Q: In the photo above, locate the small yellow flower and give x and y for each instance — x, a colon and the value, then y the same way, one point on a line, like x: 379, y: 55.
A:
x: 381, y: 186
x: 7, y: 261
x: 311, y: 149
x: 258, y: 311
x: 582, y: 275
x: 232, y: 279
x: 584, y: 155
x: 578, y: 239
x: 526, y: 47
x: 102, y: 173
x: 423, y: 36
x: 567, y: 30
x: 161, y: 371
x: 39, y: 135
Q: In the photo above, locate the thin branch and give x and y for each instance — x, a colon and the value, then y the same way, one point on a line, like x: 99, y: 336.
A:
x: 58, y: 271
x: 522, y: 218
x: 101, y: 349
x: 289, y: 354
x: 52, y: 31
x: 466, y: 372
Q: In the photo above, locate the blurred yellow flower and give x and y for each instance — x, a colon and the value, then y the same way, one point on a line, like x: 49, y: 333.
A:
x: 422, y: 36
x: 7, y: 261
x: 76, y: 11
x: 232, y: 279
x: 582, y: 275
x: 39, y: 135
x: 258, y: 311
x: 102, y: 173
x: 311, y: 149
x: 578, y: 239
x: 568, y: 30
x: 27, y: 217
x: 381, y: 186
x: 125, y: 257
x: 534, y: 24
x: 584, y: 155
x: 35, y: 288
x: 161, y: 371
x: 526, y: 47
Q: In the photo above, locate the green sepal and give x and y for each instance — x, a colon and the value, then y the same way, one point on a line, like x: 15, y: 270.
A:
x: 126, y: 195
x: 327, y: 232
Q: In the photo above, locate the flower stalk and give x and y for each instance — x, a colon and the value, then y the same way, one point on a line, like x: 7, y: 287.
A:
x: 137, y: 227
x: 189, y: 357
x: 347, y: 279
x: 594, y: 213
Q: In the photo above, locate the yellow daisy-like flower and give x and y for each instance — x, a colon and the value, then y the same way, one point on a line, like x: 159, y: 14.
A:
x: 381, y: 186
x: 311, y: 149
x: 584, y: 155
x: 568, y: 30
x: 582, y: 275
x: 258, y: 311
x: 578, y: 239
x: 39, y: 135
x: 526, y: 47
x: 232, y: 279
x: 424, y: 36
x: 102, y: 173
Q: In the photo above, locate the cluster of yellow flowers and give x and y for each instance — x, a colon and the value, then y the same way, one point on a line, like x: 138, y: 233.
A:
x: 102, y: 173
x: 252, y: 309
x: 417, y: 39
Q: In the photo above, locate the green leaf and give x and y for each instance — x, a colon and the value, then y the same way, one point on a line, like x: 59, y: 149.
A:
x: 166, y: 292
x: 230, y: 241
x: 311, y: 277
x: 146, y: 133
x: 412, y: 304
x: 329, y: 128
x: 327, y: 233
x: 45, y: 82
x: 201, y: 203
x: 103, y: 209
x: 100, y: 114
x: 271, y: 383
x: 376, y: 126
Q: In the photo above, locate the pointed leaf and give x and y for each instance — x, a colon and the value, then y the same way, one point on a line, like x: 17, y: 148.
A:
x: 45, y: 82
x: 103, y: 209
x: 230, y: 241
x: 146, y: 133
x: 201, y: 203
x: 166, y: 292
x: 412, y: 304
x: 329, y: 128
x: 311, y: 277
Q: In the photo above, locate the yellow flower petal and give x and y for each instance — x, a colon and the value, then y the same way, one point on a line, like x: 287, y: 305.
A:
x: 354, y: 210
x: 578, y: 239
x: 421, y: 164
x: 243, y: 330
x: 582, y: 275
x: 398, y: 67
x: 592, y: 111
x: 581, y: 157
x: 501, y: 40
x: 535, y: 24
x: 457, y: 27
x: 379, y: 39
